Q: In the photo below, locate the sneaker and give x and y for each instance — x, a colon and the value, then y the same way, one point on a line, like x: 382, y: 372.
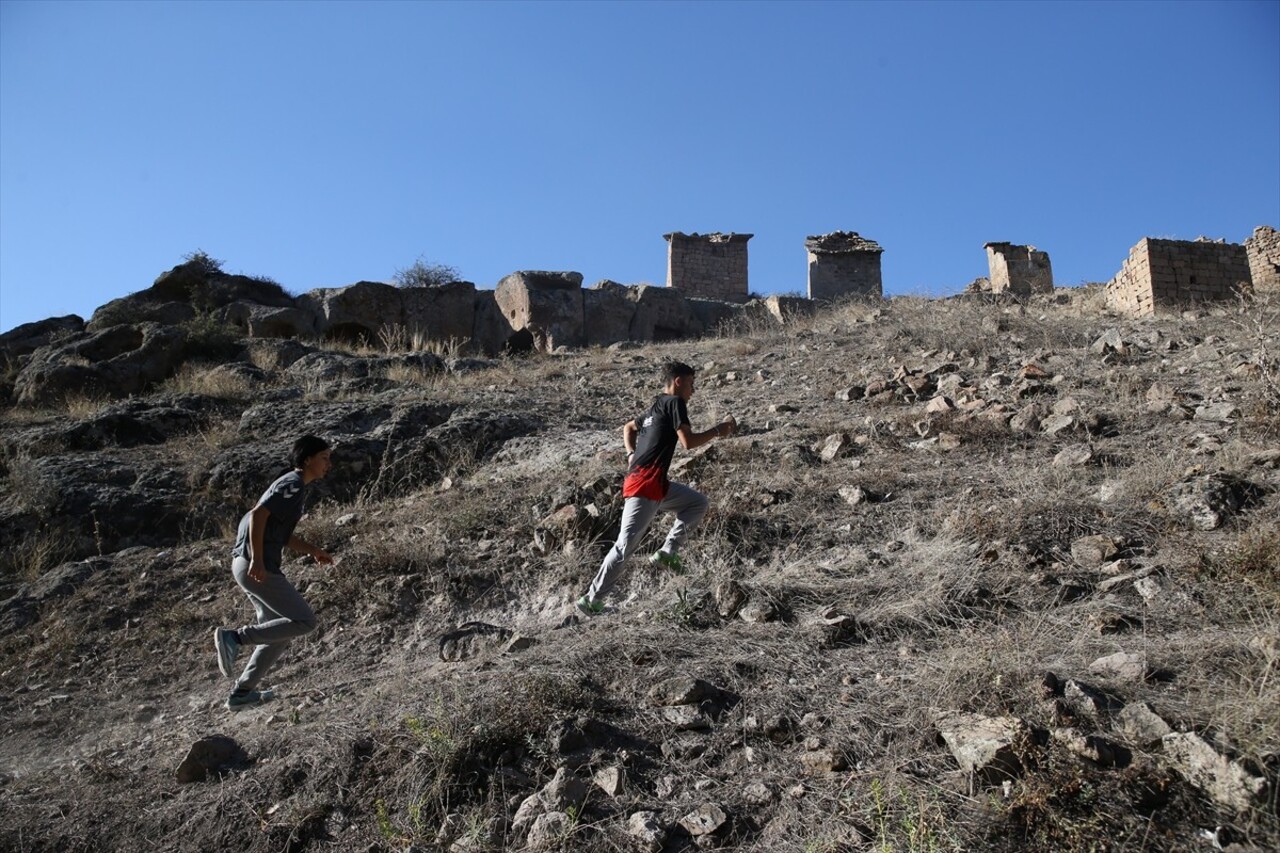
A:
x: 667, y: 561
x: 228, y: 648
x: 589, y: 607
x: 238, y: 701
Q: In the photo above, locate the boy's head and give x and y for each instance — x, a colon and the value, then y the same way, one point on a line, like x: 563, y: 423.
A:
x: 677, y: 378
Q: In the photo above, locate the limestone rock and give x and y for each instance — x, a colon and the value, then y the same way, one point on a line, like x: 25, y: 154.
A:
x: 611, y: 780
x: 821, y: 761
x: 1207, y: 502
x: 1225, y: 780
x: 1141, y: 725
x: 729, y: 597
x: 1073, y: 457
x: 1123, y: 665
x: 549, y: 830
x: 113, y: 362
x: 835, y: 446
x: 1092, y: 551
x: 681, y: 690
x: 1093, y: 748
x: 357, y: 312
x: 986, y: 747
x: 548, y: 305
x: 647, y: 829
x: 443, y: 313
x: 707, y: 819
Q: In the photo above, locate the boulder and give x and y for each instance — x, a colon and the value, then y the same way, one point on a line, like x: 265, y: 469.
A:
x: 187, y: 290
x: 549, y: 830
x: 268, y: 321
x: 662, y: 314
x: 607, y: 313
x: 114, y: 362
x: 444, y: 313
x: 1141, y: 725
x: 548, y: 305
x: 29, y: 337
x: 356, y: 313
x: 784, y: 309
x: 712, y: 314
x: 491, y: 331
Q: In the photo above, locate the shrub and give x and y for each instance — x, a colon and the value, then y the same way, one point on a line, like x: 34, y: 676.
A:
x: 203, y: 262
x: 425, y: 274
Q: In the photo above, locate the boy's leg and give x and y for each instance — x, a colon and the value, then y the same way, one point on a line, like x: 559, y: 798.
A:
x: 282, y: 615
x: 637, y: 515
x: 689, y: 506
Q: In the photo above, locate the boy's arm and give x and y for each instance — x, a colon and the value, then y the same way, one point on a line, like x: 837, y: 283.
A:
x: 629, y: 430
x: 691, y: 440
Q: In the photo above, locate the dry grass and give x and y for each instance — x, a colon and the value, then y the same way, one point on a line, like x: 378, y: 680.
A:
x: 209, y: 380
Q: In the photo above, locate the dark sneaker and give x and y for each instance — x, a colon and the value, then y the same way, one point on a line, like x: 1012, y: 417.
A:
x: 667, y: 561
x: 589, y: 607
x: 228, y: 648
x: 239, y: 701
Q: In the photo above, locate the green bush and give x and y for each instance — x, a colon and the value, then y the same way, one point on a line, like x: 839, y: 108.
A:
x: 425, y: 274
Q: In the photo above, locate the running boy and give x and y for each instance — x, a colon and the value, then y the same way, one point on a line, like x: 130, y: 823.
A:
x: 651, y: 442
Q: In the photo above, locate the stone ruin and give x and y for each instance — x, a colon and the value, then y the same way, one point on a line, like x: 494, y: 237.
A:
x: 1167, y: 275
x: 1018, y: 270
x: 843, y: 263
x: 710, y: 266
x: 1263, y: 249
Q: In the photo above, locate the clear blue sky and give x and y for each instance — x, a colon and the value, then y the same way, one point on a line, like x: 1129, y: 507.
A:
x: 325, y: 143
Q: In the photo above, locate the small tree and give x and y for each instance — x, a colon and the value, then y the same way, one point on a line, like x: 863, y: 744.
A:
x: 425, y: 274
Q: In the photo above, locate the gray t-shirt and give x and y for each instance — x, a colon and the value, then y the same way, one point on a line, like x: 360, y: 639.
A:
x: 284, y: 500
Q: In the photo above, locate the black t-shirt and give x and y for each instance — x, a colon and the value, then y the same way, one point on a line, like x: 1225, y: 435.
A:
x: 655, y: 445
x: 284, y: 499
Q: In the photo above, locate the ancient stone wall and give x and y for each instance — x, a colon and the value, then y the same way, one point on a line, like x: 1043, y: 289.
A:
x: 1263, y: 249
x: 712, y: 266
x: 1020, y: 270
x: 843, y: 264
x: 1162, y: 275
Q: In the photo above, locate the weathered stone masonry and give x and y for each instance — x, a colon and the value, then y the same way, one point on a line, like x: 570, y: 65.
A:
x: 713, y: 266
x: 1020, y: 270
x: 1163, y: 275
x: 1263, y: 249
x: 843, y: 263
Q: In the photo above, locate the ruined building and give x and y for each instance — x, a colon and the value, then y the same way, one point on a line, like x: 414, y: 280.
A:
x: 1263, y: 249
x: 1163, y: 275
x: 842, y: 264
x: 1020, y: 270
x: 713, y: 266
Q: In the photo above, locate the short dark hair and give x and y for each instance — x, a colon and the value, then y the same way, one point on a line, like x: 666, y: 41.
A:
x: 306, y: 447
x: 673, y: 370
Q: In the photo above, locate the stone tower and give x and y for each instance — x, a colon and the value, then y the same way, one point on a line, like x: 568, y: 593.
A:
x: 712, y: 266
x: 1020, y: 270
x: 1264, y: 258
x: 843, y: 264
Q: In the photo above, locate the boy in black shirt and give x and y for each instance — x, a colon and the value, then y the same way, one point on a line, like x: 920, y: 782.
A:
x: 651, y: 442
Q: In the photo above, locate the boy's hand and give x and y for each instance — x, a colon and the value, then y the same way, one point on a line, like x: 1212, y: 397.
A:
x: 729, y: 426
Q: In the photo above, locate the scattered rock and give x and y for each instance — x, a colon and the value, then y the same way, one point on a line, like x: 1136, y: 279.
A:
x: 1094, y: 748
x: 729, y: 597
x: 985, y: 747
x: 1207, y: 502
x: 1073, y: 457
x: 853, y: 495
x: 759, y: 609
x: 611, y: 780
x: 682, y: 690
x: 549, y: 830
x: 1092, y: 551
x: 759, y: 794
x: 1111, y: 341
x: 645, y: 827
x: 1141, y: 725
x: 707, y: 819
x: 1217, y: 412
x: 1123, y: 665
x: 835, y: 446
x: 821, y: 761
x: 1226, y: 781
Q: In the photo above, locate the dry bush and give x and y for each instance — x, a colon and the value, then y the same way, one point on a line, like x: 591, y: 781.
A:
x: 207, y: 380
x: 34, y: 554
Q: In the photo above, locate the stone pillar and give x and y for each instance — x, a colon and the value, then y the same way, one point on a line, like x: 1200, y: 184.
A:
x: 1020, y: 270
x: 1263, y: 249
x: 843, y: 264
x: 712, y: 266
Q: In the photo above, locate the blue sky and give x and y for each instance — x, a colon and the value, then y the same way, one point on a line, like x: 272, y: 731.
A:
x: 323, y: 143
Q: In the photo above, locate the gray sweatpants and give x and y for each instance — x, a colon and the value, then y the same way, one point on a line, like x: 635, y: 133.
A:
x: 282, y: 615
x: 637, y: 514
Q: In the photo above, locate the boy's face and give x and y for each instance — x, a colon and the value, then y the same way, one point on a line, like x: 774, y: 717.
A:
x: 682, y: 387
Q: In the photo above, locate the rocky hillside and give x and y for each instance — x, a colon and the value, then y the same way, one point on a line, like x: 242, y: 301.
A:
x: 978, y: 575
